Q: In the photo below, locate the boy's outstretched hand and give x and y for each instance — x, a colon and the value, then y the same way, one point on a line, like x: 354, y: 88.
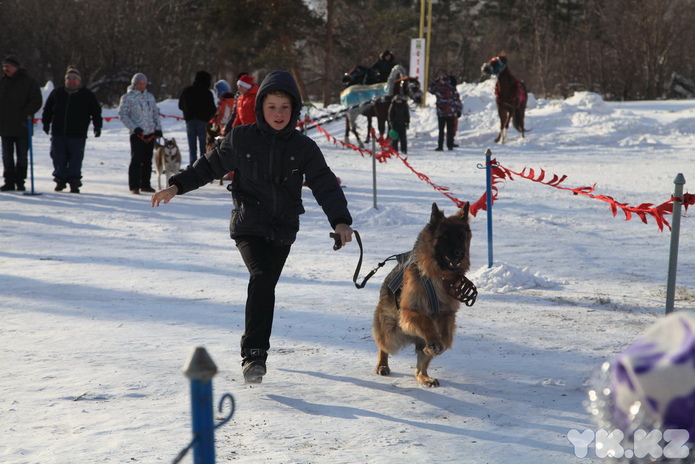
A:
x: 164, y: 195
x: 345, y: 233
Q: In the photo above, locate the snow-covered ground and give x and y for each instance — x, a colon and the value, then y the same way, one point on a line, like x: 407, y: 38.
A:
x: 103, y: 298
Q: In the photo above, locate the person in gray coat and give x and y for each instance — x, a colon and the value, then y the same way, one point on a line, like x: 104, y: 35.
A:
x: 139, y: 113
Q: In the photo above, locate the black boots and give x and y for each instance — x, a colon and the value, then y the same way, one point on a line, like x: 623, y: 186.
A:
x: 253, y: 364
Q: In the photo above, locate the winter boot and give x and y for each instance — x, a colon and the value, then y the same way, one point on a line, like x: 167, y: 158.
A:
x: 7, y: 188
x: 75, y: 186
x: 60, y: 185
x: 253, y: 364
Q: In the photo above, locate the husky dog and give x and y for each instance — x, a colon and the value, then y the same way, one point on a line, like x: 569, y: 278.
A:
x: 167, y: 160
x: 418, y: 299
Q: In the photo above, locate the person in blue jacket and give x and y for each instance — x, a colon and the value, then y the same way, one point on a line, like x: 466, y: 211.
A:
x: 270, y: 160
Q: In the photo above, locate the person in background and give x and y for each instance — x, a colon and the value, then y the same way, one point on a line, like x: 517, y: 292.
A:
x: 246, y: 101
x: 198, y: 106
x: 139, y: 114
x: 399, y: 120
x: 20, y: 98
x: 66, y: 116
x: 225, y: 105
x: 271, y: 160
x: 448, y: 108
x: 453, y: 81
x: 383, y: 66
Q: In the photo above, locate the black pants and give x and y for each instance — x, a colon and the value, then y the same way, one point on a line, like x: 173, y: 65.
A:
x: 15, y: 173
x: 402, y: 138
x: 140, y: 170
x: 264, y: 262
x: 448, y: 122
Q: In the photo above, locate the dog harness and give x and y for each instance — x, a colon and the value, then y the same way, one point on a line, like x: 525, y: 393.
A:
x: 405, y: 260
x: 461, y: 288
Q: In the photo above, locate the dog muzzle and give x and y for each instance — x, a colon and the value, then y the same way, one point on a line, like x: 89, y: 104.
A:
x: 463, y: 290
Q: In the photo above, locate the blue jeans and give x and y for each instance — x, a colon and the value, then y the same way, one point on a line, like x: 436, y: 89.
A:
x: 67, y: 154
x: 196, y: 135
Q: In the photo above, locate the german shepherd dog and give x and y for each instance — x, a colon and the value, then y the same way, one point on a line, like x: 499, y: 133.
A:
x: 416, y: 302
x: 167, y: 160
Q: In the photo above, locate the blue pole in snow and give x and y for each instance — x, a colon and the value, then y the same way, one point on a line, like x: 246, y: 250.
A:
x: 488, y: 203
x: 201, y: 369
x: 30, y: 130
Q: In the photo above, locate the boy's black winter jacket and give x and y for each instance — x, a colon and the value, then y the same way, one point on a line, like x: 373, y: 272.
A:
x: 69, y: 113
x: 270, y: 167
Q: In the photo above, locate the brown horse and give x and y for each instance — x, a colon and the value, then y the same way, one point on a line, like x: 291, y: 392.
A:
x: 510, y: 94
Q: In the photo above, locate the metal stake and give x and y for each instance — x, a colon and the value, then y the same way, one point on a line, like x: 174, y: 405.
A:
x: 675, y: 234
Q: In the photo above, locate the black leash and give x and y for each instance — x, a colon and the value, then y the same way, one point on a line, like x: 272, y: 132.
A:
x: 338, y: 245
x: 462, y: 288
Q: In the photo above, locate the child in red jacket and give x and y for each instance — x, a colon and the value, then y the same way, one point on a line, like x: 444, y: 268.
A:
x: 245, y: 112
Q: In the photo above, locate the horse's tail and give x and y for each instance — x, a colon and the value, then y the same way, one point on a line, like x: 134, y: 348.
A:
x: 520, y: 108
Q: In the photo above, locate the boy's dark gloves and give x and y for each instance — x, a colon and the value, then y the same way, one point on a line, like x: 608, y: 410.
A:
x: 158, y: 134
x: 137, y: 131
x: 97, y: 132
x: 47, y: 129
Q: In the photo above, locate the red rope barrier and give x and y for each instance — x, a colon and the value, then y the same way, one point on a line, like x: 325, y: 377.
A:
x: 108, y: 119
x: 643, y: 211
x: 501, y: 174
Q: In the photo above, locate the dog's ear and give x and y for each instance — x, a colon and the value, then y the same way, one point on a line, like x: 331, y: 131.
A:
x: 463, y: 212
x: 436, y: 216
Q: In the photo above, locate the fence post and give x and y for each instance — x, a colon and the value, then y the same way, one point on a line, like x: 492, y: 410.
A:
x: 488, y: 203
x: 30, y: 131
x: 374, y: 169
x: 201, y: 369
x: 679, y: 181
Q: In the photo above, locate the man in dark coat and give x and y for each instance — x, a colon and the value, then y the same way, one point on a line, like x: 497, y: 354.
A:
x: 271, y: 160
x: 384, y: 65
x: 198, y: 106
x: 69, y: 109
x: 20, y: 98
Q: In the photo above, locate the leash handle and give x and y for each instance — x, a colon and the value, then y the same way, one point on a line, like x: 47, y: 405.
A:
x: 358, y: 239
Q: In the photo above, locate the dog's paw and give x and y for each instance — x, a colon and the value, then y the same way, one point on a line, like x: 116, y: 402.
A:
x: 383, y: 370
x: 427, y: 381
x: 434, y: 349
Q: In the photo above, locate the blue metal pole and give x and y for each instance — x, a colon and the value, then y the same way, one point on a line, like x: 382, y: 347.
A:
x: 30, y: 130
x: 201, y: 369
x: 675, y: 235
x: 488, y: 203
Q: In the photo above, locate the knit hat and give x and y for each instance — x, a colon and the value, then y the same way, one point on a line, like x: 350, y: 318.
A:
x: 73, y: 72
x: 222, y: 87
x: 11, y: 59
x: 245, y: 81
x: 651, y: 385
x: 137, y: 77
